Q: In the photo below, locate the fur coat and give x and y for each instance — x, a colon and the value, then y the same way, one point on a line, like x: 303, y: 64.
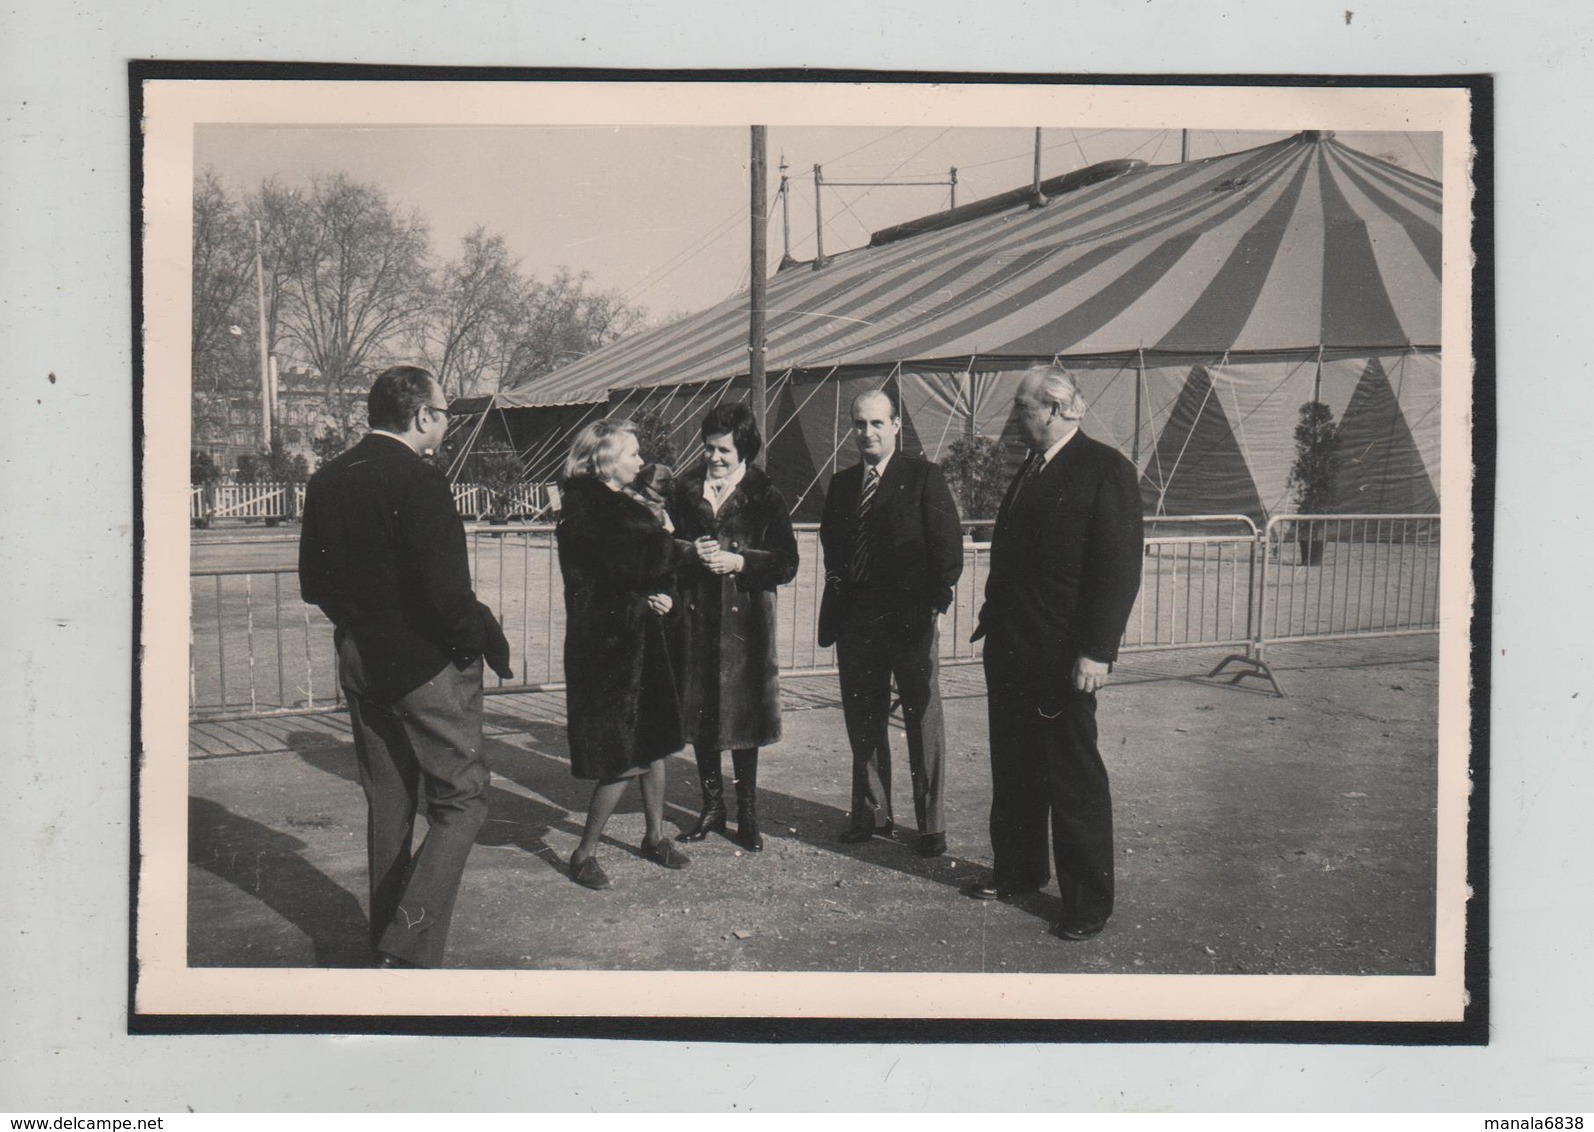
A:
x: 621, y: 691
x: 725, y: 637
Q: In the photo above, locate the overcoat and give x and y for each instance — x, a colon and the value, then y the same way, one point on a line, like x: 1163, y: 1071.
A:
x: 382, y: 552
x: 1065, y: 562
x: 621, y: 692
x: 730, y: 687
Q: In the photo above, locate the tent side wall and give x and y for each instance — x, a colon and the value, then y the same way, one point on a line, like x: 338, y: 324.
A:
x: 1209, y: 434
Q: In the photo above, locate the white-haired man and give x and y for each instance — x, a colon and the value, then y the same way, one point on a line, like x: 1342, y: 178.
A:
x: 1064, y: 573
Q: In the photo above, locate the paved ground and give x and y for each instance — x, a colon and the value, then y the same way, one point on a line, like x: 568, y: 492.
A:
x: 1255, y: 835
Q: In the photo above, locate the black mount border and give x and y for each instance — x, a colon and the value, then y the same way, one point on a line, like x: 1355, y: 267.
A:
x: 1474, y: 1027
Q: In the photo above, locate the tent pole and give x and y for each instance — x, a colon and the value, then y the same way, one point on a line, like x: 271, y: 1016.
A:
x: 1037, y: 198
x: 971, y: 429
x: 758, y: 273
x: 836, y: 433
x: 1140, y: 379
x: 819, y: 218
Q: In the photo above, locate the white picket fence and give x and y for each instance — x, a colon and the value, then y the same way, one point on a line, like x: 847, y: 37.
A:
x: 281, y: 501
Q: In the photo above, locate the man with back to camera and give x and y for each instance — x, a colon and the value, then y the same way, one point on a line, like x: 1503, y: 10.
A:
x: 382, y: 553
x: 1064, y: 574
x: 893, y: 553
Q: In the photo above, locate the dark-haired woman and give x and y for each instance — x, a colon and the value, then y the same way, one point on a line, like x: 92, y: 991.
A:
x: 619, y: 562
x: 744, y: 548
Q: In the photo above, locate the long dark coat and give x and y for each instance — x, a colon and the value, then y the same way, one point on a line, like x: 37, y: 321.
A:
x: 621, y: 693
x: 1065, y: 562
x: 730, y: 687
x: 382, y: 553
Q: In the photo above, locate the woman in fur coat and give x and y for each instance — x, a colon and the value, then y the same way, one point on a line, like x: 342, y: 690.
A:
x: 619, y: 562
x: 744, y: 548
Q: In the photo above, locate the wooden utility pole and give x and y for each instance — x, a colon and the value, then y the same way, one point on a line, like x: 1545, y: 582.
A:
x: 758, y: 272
x: 785, y: 215
x: 266, y: 399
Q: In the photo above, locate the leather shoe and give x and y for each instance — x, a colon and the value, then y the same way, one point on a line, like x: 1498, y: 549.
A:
x: 992, y: 889
x: 386, y: 962
x: 589, y: 874
x: 931, y: 844
x: 1080, y: 932
x: 858, y: 834
x: 663, y: 852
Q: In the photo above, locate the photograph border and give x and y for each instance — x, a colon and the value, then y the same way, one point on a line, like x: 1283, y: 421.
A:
x: 1472, y: 1029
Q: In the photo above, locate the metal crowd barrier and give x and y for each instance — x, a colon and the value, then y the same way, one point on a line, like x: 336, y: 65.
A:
x: 255, y: 649
x: 1209, y: 581
x: 1338, y: 577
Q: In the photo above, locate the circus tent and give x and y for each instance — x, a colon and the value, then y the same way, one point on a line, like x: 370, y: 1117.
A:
x: 1199, y: 305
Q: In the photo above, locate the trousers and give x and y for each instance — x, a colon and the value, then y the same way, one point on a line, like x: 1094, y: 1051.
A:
x: 419, y: 754
x: 1046, y: 771
x: 871, y: 650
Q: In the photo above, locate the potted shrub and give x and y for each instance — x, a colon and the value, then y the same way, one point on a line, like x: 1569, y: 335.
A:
x: 498, y: 469
x: 203, y: 472
x: 1315, y: 475
x: 975, y: 470
x: 654, y: 438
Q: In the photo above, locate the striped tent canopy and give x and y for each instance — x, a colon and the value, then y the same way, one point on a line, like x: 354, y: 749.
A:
x: 1199, y: 305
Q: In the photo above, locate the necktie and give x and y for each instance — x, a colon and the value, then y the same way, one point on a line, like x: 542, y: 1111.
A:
x: 860, y: 545
x: 1036, y: 465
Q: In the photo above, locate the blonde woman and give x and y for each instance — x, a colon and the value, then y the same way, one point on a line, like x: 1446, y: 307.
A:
x: 619, y: 563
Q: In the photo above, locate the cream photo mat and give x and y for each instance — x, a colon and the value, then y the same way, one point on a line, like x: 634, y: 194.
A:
x: 167, y: 985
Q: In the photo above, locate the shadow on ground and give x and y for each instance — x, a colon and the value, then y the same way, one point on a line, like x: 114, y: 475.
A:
x: 1256, y: 835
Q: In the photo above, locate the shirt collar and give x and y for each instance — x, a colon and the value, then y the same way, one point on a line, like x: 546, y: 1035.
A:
x: 880, y: 468
x: 717, y: 491
x: 392, y: 436
x: 1058, y: 447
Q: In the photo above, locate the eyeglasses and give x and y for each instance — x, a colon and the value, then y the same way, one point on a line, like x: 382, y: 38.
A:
x: 444, y: 409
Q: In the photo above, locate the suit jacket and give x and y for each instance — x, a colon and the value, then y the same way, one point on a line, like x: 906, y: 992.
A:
x: 915, y: 544
x: 382, y: 552
x: 1065, y: 561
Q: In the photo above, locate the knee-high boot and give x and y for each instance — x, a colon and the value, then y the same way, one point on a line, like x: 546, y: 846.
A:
x: 744, y: 764
x: 712, y: 818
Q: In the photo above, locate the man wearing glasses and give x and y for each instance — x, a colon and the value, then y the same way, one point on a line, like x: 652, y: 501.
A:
x: 383, y: 554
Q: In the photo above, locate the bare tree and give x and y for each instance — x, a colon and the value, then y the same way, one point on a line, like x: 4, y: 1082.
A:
x: 562, y: 320
x: 353, y: 274
x: 467, y: 337
x: 223, y: 274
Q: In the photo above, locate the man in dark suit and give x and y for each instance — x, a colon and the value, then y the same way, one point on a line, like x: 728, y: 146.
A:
x: 893, y: 551
x: 383, y: 554
x: 1064, y: 573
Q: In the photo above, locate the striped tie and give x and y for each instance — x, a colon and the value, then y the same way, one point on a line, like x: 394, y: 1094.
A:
x: 860, y: 545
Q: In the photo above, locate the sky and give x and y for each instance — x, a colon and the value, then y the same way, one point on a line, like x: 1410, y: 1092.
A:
x: 661, y: 214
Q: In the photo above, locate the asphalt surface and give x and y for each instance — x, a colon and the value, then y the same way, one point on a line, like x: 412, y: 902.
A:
x: 1256, y: 835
